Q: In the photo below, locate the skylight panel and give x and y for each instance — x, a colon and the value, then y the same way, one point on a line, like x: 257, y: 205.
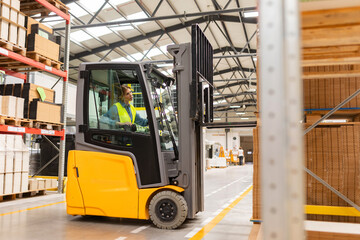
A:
x: 153, y: 52
x: 251, y: 14
x: 93, y: 6
x: 80, y: 36
x: 121, y: 59
x: 76, y: 10
x: 137, y: 56
x: 118, y: 2
x: 99, y: 31
x: 138, y: 15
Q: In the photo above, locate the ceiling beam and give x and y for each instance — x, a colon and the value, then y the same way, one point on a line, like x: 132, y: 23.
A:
x: 234, y: 69
x: 210, y: 15
x: 143, y: 37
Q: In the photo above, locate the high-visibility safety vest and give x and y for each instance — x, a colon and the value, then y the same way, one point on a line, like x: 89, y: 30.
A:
x: 123, y: 114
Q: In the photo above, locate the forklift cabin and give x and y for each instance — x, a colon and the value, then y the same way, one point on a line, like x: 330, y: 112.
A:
x: 145, y: 172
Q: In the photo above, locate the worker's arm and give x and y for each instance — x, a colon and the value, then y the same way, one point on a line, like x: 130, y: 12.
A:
x: 111, y: 117
x: 141, y: 121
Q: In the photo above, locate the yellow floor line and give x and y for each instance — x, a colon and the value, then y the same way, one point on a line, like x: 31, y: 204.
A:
x: 23, y: 210
x: 207, y: 228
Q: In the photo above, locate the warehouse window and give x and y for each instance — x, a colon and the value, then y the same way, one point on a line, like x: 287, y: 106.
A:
x: 104, y: 105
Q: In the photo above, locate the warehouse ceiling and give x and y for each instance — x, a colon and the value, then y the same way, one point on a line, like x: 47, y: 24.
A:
x: 140, y: 30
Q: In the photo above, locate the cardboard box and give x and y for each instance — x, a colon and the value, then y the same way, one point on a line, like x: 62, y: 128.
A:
x: 9, y: 162
x: 44, y: 111
x: 1, y: 105
x: 13, y: 15
x: 2, y: 162
x: 29, y: 92
x: 21, y: 38
x: 1, y: 183
x: 30, y: 21
x: 18, y: 161
x: 48, y: 183
x: 24, y: 181
x: 13, y: 33
x: 4, y: 29
x: 17, y: 182
x: 8, y: 106
x: 17, y: 88
x: 8, y: 89
x: 8, y: 183
x: 35, y: 28
x: 41, y: 183
x: 54, y: 183
x: 21, y: 20
x: 10, y: 142
x: 25, y: 161
x: 18, y: 143
x: 19, y: 108
x: 33, y: 185
x: 2, y: 142
x: 15, y: 4
x: 43, y: 46
x: 5, y: 12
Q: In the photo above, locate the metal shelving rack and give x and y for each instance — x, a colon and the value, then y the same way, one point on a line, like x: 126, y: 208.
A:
x: 282, y: 176
x: 34, y: 65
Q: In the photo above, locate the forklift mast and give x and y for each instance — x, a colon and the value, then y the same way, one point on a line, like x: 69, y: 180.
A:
x: 193, y: 69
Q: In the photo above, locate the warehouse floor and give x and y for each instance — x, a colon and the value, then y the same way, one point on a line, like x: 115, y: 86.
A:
x: 228, y: 209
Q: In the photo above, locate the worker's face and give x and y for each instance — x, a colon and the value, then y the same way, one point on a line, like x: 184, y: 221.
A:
x: 128, y: 97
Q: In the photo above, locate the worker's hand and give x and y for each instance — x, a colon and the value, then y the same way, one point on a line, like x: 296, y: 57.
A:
x: 123, y: 123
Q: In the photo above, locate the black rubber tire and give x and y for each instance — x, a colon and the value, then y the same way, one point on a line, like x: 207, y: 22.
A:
x: 168, y: 210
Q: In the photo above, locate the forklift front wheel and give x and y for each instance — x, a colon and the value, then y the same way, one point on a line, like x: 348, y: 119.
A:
x: 168, y: 210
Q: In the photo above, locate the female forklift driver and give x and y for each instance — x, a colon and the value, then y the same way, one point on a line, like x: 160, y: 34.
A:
x: 122, y: 113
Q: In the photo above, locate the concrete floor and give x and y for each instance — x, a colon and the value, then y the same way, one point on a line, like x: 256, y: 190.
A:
x: 44, y: 217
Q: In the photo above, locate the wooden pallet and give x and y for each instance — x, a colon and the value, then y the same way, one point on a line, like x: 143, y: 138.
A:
x: 12, y: 47
x: 45, y: 60
x: 18, y: 122
x: 13, y: 196
x: 31, y: 7
x: 47, y: 125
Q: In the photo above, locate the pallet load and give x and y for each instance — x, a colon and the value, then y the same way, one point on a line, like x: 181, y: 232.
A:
x: 42, y: 45
x: 12, y: 26
x: 14, y: 164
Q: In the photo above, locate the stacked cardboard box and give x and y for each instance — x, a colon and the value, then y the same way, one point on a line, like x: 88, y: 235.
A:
x: 23, y: 101
x: 41, y: 40
x: 12, y: 22
x: 29, y: 93
x: 14, y: 164
x: 332, y: 153
x: 42, y: 184
x: 329, y: 92
x: 256, y: 176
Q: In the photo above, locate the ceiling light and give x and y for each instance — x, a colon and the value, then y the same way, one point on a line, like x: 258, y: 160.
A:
x: 235, y: 106
x: 244, y: 118
x: 251, y: 14
x: 255, y: 59
x: 216, y: 93
x: 217, y: 119
x: 240, y: 113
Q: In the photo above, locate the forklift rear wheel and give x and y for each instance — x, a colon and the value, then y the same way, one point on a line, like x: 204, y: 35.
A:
x: 168, y: 210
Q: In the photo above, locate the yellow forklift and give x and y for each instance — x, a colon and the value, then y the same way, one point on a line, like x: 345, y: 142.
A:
x: 143, y: 172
